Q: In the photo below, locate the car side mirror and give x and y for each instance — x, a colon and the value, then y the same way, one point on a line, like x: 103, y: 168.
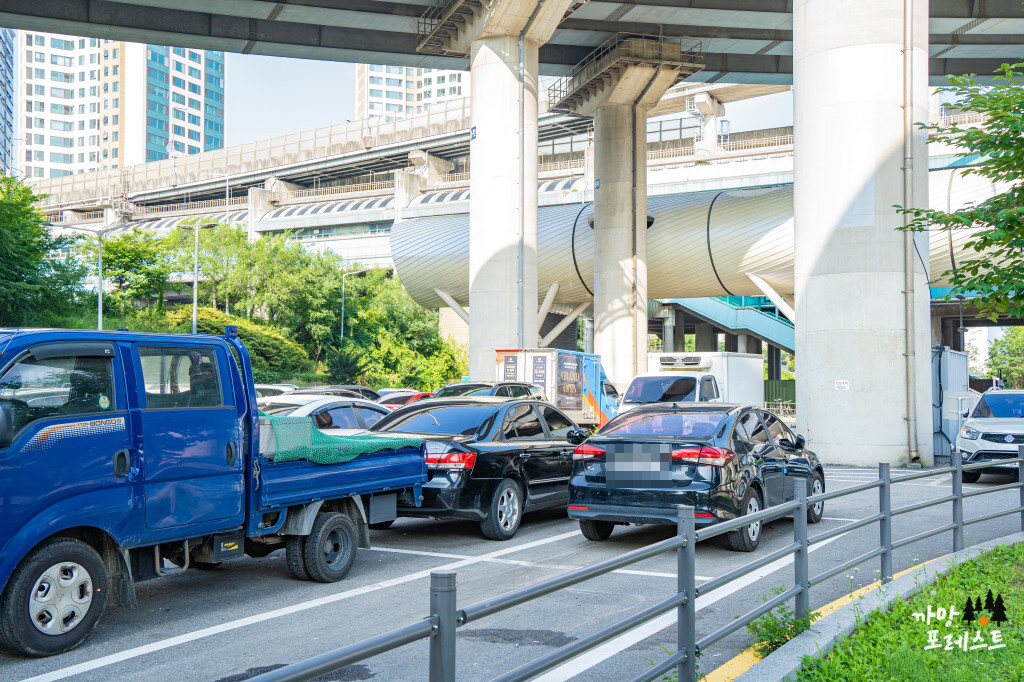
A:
x: 576, y: 436
x: 801, y: 443
x: 6, y: 426
x: 966, y: 414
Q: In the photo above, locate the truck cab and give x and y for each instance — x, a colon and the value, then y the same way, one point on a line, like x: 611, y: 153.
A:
x: 128, y: 456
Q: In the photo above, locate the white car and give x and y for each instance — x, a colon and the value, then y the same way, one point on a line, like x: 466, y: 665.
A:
x: 994, y: 431
x: 330, y: 414
x: 669, y: 387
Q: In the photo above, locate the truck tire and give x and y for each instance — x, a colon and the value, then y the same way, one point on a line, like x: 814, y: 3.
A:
x: 596, y: 530
x: 54, y: 598
x: 295, y: 556
x: 504, y: 512
x: 330, y: 547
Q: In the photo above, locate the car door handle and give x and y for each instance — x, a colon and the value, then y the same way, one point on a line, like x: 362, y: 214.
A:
x: 230, y: 453
x: 122, y: 464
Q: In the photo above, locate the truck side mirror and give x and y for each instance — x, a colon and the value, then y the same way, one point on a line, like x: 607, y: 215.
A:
x: 6, y: 426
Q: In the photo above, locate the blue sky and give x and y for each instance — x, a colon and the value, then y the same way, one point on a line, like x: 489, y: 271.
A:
x: 273, y: 96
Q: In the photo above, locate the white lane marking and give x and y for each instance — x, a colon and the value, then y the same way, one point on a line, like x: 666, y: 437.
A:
x: 591, y: 658
x: 528, y: 564
x: 836, y: 518
x: 162, y: 644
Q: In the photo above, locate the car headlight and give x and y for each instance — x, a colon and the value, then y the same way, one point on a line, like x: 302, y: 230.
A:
x: 969, y: 433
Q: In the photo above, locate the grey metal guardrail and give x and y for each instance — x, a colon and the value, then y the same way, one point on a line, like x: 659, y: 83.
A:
x: 445, y: 616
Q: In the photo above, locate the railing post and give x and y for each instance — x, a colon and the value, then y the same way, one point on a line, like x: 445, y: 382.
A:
x: 442, y: 644
x: 885, y: 525
x: 803, y: 597
x: 958, y: 501
x: 1020, y: 479
x: 686, y: 570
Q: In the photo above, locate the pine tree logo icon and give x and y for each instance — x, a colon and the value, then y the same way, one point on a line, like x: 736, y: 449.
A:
x: 993, y: 611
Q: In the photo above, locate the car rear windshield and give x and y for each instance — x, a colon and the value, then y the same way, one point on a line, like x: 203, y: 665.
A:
x: 661, y: 390
x: 463, y: 390
x: 400, y: 399
x: 999, y: 406
x: 697, y: 425
x: 279, y: 409
x: 449, y: 420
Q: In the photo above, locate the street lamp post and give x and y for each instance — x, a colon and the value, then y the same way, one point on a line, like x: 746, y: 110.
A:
x: 195, y: 270
x: 343, y: 276
x: 227, y: 189
x: 100, y: 236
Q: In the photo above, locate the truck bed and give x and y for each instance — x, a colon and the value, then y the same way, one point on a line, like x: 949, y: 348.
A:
x: 283, y: 484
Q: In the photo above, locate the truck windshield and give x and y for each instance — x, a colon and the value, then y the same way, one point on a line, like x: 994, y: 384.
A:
x: 999, y: 406
x: 667, y: 389
x: 463, y: 390
x: 698, y: 425
x: 448, y: 420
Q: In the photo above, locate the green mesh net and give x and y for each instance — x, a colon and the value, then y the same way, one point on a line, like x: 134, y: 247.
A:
x: 288, y: 439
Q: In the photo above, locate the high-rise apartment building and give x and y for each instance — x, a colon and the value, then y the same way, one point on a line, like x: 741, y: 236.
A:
x: 7, y: 165
x: 89, y: 104
x: 395, y: 92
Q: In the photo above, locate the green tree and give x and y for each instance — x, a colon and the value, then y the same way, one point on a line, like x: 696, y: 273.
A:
x: 138, y: 263
x: 34, y: 277
x: 222, y: 253
x: 1006, y: 357
x: 994, y: 272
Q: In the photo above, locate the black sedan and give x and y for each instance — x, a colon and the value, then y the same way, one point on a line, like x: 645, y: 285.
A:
x: 488, y: 459
x: 499, y: 389
x: 726, y: 461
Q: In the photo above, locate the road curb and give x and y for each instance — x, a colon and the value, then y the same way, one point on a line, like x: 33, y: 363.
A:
x: 785, y: 662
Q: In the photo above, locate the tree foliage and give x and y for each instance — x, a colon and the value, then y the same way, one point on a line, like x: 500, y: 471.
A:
x: 994, y: 272
x: 138, y: 265
x: 1006, y: 357
x: 34, y: 276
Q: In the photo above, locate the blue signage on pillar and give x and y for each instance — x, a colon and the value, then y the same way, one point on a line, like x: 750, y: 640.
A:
x: 472, y: 133
x: 597, y: 183
x: 540, y: 371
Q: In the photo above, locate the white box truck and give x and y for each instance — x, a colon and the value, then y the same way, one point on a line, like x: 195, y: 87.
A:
x: 699, y: 376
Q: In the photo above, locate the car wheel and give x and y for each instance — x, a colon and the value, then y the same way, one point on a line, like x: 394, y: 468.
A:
x: 295, y: 556
x: 54, y: 598
x: 596, y: 530
x: 506, y: 510
x: 970, y: 476
x: 330, y: 547
x: 816, y: 510
x: 747, y: 538
x: 383, y: 525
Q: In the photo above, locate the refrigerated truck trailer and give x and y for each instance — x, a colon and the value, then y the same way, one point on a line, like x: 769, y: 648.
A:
x: 572, y: 381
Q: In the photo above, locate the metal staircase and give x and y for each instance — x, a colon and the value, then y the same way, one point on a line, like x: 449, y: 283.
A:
x: 441, y: 22
x: 753, y: 315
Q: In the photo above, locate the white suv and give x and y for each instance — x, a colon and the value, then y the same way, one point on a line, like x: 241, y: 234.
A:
x: 994, y: 431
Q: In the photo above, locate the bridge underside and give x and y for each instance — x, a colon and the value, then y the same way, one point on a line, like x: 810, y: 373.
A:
x: 744, y: 41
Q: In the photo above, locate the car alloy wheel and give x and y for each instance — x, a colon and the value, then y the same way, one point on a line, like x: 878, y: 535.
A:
x: 508, y: 509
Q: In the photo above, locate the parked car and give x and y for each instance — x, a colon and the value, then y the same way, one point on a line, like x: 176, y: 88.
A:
x: 383, y: 392
x: 994, y: 430
x: 395, y: 399
x: 267, y: 390
x: 488, y: 460
x: 500, y: 389
x: 725, y: 460
x: 339, y: 391
x: 331, y: 414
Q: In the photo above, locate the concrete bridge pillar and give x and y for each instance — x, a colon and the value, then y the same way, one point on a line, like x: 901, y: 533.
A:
x: 860, y: 75
x: 704, y: 338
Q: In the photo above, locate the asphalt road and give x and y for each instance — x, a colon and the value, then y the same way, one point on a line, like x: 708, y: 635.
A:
x: 249, y: 615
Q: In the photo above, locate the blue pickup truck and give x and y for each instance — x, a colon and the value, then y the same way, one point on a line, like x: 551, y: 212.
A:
x: 126, y: 457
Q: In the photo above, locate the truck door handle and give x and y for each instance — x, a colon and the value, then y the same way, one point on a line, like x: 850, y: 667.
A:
x: 122, y: 466
x: 231, y: 453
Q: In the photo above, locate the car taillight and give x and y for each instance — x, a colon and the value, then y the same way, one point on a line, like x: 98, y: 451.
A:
x: 585, y: 451
x: 451, y: 460
x: 703, y: 454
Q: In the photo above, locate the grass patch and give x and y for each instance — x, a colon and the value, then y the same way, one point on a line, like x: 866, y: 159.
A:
x: 778, y: 626
x: 891, y: 644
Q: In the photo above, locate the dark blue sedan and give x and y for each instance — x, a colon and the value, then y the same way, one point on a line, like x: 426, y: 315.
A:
x: 726, y: 461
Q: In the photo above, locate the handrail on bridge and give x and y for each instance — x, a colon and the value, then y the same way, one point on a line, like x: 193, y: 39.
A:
x: 445, y: 617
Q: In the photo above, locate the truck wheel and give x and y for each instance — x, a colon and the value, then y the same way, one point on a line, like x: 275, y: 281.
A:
x: 295, y: 556
x: 54, y: 598
x: 330, y: 547
x: 506, y: 509
x: 596, y: 530
x: 747, y: 538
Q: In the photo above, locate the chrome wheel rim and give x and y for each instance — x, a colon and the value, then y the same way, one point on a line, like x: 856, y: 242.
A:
x: 508, y: 509
x: 753, y: 529
x: 60, y: 598
x: 817, y: 489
